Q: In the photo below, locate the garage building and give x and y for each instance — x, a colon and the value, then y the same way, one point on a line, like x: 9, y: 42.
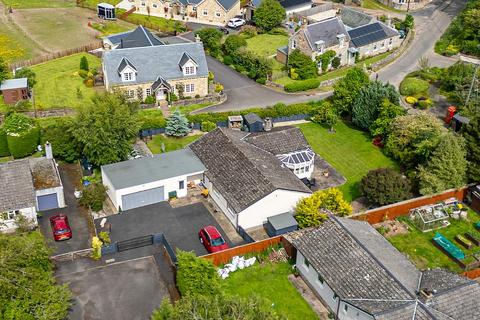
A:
x: 144, y: 181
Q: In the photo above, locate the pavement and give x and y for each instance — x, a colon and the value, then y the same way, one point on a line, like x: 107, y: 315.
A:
x: 77, y: 215
x: 179, y: 225
x: 125, y: 290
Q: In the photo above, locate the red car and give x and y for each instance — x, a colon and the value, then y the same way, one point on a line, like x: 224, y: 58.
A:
x: 212, y: 239
x: 60, y: 227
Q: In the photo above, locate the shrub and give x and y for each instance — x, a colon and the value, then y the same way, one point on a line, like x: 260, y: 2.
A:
x: 22, y: 135
x: 248, y: 31
x: 303, y: 65
x: 227, y: 60
x: 208, y: 126
x: 3, y: 143
x: 258, y: 67
x: 149, y: 119
x: 302, y: 85
x: 177, y: 125
x: 196, y: 276
x: 325, y: 58
x: 261, y: 80
x: 411, y: 100
x: 239, y: 68
x: 218, y: 87
x: 336, y: 62
x: 172, y: 97
x: 59, y: 133
x: 93, y: 196
x: 150, y: 100
x: 84, y: 63
x: 424, y: 104
x: 89, y: 82
x: 211, y: 40
x: 105, y: 237
x: 413, y: 86
x: 232, y: 43
x: 211, y: 76
x: 385, y: 186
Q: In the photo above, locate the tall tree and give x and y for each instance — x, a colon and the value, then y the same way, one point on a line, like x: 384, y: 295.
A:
x: 446, y: 168
x: 471, y: 133
x: 29, y: 74
x: 105, y: 129
x: 367, y: 104
x: 177, y: 125
x: 269, y: 14
x: 211, y: 40
x: 301, y: 65
x: 196, y: 276
x: 4, y: 71
x: 346, y: 89
x: 59, y: 133
x: 388, y: 112
x: 84, y: 63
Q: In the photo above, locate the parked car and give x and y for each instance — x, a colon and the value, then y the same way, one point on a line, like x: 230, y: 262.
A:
x: 211, y: 238
x: 235, y: 23
x: 224, y: 30
x: 60, y: 227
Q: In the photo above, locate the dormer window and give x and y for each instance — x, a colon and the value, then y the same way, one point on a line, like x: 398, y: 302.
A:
x: 128, y: 76
x: 126, y: 70
x: 189, y: 70
x: 188, y: 65
x: 320, y: 46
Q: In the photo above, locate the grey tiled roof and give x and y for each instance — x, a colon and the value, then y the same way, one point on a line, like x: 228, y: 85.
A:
x: 411, y: 311
x: 152, y: 62
x: 226, y: 4
x: 185, y: 58
x: 279, y: 140
x: 350, y: 270
x: 441, y: 280
x: 371, y: 33
x: 460, y: 303
x: 326, y: 30
x: 354, y: 18
x: 16, y: 186
x: 139, y: 37
x: 123, y: 64
x: 240, y: 171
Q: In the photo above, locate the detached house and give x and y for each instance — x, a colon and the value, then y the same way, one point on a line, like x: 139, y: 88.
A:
x: 157, y: 70
x: 358, y: 274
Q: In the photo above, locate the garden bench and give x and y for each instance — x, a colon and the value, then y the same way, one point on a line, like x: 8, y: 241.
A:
x: 463, y: 241
x: 473, y: 237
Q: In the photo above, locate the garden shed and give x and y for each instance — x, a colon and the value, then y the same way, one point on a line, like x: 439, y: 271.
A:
x: 431, y: 217
x: 253, y: 122
x: 281, y: 224
x: 106, y: 11
x: 235, y: 122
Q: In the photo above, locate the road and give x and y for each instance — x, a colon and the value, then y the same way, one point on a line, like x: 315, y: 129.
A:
x: 244, y: 93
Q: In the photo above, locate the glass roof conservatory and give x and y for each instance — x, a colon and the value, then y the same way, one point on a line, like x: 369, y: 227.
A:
x: 300, y: 162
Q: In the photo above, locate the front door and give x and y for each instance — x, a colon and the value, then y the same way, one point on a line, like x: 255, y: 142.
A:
x: 161, y: 95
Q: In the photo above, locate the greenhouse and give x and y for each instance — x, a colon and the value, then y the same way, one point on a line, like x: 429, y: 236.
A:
x: 430, y: 217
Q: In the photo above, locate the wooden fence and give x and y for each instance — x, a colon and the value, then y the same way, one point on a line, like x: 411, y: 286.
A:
x: 85, y: 48
x: 226, y: 256
x: 403, y: 208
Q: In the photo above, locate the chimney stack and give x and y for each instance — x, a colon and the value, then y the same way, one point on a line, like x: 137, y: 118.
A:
x: 48, y: 150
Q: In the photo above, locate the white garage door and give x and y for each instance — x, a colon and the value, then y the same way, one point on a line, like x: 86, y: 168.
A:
x: 143, y: 198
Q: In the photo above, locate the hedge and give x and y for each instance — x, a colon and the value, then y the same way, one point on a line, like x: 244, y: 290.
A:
x: 24, y: 144
x: 413, y: 86
x: 302, y: 85
x: 3, y: 144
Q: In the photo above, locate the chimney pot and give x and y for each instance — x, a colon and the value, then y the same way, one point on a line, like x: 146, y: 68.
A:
x: 48, y: 150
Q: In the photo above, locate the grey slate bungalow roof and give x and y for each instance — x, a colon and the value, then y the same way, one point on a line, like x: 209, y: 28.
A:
x: 371, y: 33
x: 139, y: 37
x: 124, y: 63
x: 152, y: 62
x: 287, y: 4
x: 354, y: 18
x: 14, y: 84
x: 149, y: 169
x: 325, y: 30
x: 185, y: 58
x: 280, y: 140
x: 242, y: 172
x: 363, y: 269
x: 16, y: 186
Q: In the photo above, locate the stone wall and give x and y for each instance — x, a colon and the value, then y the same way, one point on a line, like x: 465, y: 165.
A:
x: 213, y: 98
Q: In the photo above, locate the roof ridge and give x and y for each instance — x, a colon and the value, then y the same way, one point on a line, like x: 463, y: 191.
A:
x: 146, y: 35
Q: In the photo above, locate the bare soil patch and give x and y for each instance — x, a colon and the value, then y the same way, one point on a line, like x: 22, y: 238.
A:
x: 391, y: 228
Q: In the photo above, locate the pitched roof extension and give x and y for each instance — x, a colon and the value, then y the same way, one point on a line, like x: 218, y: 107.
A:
x: 139, y: 37
x: 242, y: 172
x: 280, y: 140
x: 14, y: 84
x: 354, y: 18
x: 371, y: 33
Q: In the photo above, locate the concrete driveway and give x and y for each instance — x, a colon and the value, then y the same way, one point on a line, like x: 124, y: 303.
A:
x: 127, y: 290
x: 77, y: 215
x: 179, y: 225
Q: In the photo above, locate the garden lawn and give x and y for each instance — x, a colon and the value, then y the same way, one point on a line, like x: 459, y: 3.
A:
x: 269, y: 281
x: 337, y: 73
x: 58, y: 82
x: 266, y: 45
x: 28, y: 4
x: 93, y: 3
x: 418, y: 246
x: 171, y: 143
x: 192, y: 107
x: 162, y: 24
x: 349, y: 150
x: 112, y: 27
x: 375, y: 5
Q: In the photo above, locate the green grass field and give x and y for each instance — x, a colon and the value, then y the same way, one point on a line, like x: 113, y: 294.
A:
x: 58, y: 82
x: 418, y: 246
x: 112, y: 27
x: 93, y: 3
x: 266, y: 45
x: 339, y: 72
x: 162, y: 24
x: 269, y: 281
x: 29, y: 4
x: 375, y: 5
x: 349, y: 150
x: 171, y: 143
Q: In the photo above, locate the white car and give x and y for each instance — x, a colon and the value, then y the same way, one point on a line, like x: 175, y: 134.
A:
x: 235, y: 23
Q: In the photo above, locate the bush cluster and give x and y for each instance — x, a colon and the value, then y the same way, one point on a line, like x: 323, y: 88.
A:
x: 412, y: 86
x: 3, y: 143
x: 302, y: 85
x: 385, y: 186
x: 22, y: 135
x: 93, y: 196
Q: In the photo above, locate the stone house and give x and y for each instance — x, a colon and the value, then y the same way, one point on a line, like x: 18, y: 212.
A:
x: 372, y: 39
x: 216, y: 12
x: 317, y: 38
x: 157, y: 71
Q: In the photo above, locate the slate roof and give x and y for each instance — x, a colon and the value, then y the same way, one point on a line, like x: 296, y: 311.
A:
x: 123, y: 64
x: 16, y: 186
x: 226, y: 4
x: 325, y: 30
x: 14, y: 84
x: 354, y: 18
x: 242, y: 172
x: 371, y: 33
x: 139, y: 37
x: 149, y: 169
x: 252, y: 118
x: 185, y: 58
x: 152, y: 62
x: 280, y: 140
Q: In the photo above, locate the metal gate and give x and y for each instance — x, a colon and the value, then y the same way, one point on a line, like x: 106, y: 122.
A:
x: 135, y: 243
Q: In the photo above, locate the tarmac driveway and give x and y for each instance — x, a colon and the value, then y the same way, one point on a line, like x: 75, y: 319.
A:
x: 127, y: 290
x: 77, y: 215
x: 179, y: 225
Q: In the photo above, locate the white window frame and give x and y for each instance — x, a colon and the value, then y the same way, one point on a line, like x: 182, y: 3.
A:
x: 190, y: 70
x: 130, y: 94
x: 181, y: 185
x: 128, y: 76
x: 148, y: 92
x: 189, y: 88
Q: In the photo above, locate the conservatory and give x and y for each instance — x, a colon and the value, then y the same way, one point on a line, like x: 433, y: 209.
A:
x: 300, y: 162
x: 430, y: 217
